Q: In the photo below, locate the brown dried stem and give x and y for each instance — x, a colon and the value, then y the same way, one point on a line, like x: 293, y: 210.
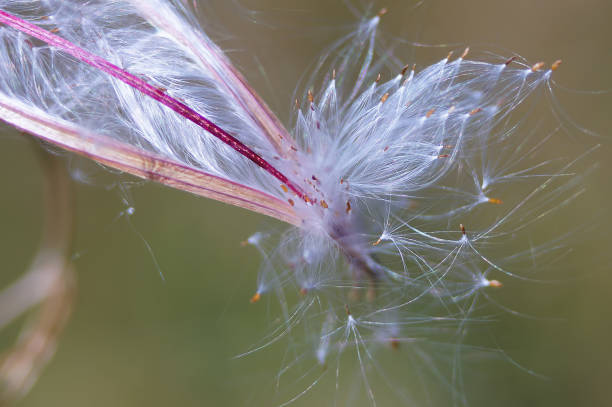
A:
x: 49, y: 282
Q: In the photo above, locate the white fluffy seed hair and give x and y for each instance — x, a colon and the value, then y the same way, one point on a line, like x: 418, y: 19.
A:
x: 173, y: 54
x: 390, y: 166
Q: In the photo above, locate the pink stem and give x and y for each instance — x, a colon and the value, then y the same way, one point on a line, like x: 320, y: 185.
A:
x: 149, y: 90
x: 135, y: 161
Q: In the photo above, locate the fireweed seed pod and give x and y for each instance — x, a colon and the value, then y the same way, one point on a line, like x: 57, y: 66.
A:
x: 412, y: 193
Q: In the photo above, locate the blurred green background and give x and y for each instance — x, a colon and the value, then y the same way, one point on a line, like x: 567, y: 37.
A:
x: 135, y: 340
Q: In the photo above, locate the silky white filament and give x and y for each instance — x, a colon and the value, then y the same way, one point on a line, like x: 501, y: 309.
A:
x: 391, y: 174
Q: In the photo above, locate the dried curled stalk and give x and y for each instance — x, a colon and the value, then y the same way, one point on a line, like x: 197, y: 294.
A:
x: 49, y: 283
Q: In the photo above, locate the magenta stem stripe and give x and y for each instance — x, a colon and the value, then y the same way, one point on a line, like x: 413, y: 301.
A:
x: 147, y: 89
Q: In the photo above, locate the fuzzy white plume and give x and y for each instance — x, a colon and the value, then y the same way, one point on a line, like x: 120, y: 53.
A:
x: 383, y: 168
x: 44, y: 77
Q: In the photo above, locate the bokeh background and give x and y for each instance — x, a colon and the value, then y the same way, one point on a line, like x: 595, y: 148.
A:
x: 135, y: 340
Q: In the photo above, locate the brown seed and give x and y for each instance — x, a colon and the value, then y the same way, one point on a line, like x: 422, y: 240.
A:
x: 510, y: 60
x: 405, y: 69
